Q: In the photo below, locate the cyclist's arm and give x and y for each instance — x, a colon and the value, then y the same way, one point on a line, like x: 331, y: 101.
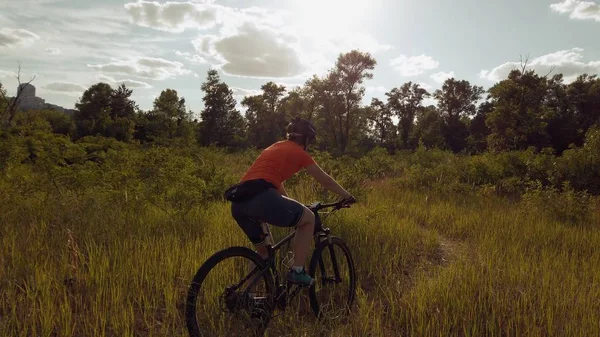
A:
x: 327, y: 181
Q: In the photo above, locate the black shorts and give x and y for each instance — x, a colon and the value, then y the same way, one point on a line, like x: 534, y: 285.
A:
x: 268, y: 206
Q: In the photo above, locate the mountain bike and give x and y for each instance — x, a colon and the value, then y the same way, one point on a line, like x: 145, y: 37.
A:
x: 236, y: 293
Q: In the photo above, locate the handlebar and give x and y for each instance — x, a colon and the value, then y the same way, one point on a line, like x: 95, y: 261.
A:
x: 345, y: 203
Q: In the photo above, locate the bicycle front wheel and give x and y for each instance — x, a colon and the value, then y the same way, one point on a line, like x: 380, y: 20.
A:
x: 332, y: 267
x: 230, y: 295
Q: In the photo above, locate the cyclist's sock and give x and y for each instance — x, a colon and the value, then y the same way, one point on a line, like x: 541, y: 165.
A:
x: 298, y: 275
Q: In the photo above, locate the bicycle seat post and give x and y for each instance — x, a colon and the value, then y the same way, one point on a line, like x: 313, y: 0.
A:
x: 268, y: 239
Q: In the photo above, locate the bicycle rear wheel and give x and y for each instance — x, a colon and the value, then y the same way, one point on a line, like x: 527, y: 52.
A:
x: 333, y: 268
x: 230, y: 295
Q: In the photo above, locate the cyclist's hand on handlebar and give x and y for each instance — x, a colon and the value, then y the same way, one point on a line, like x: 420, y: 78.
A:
x: 348, y: 201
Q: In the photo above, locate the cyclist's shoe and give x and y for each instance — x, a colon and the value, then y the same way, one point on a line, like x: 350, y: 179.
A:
x: 300, y: 278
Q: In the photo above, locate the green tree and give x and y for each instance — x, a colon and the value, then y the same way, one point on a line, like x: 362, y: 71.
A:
x: 170, y: 106
x: 272, y: 94
x: 298, y: 102
x: 325, y: 99
x: 560, y: 116
x: 168, y: 122
x: 584, y: 99
x: 336, y: 98
x: 349, y: 73
x: 381, y: 124
x: 457, y: 101
x: 478, y: 130
x: 518, y: 119
x: 58, y: 121
x: 121, y: 104
x: 404, y: 102
x: 107, y: 112
x: 3, y: 100
x: 428, y: 128
x: 257, y: 125
x: 222, y: 124
x: 239, y: 130
x: 93, y: 114
x: 265, y: 115
x: 122, y: 113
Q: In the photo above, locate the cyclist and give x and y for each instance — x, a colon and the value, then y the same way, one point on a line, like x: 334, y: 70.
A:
x: 261, y: 196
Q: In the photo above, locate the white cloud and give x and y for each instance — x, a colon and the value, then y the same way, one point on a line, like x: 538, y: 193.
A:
x: 250, y: 42
x: 319, y: 50
x: 430, y: 101
x: 289, y: 86
x: 52, y: 51
x: 192, y: 58
x: 128, y: 83
x: 426, y: 86
x: 105, y: 78
x: 5, y: 74
x: 441, y: 76
x: 414, y: 65
x: 375, y: 89
x: 577, y: 9
x: 16, y: 37
x: 176, y: 17
x: 346, y: 42
x: 144, y: 67
x: 241, y: 92
x: 134, y: 84
x: 253, y: 51
x: 173, y: 16
x: 567, y: 62
x: 65, y: 87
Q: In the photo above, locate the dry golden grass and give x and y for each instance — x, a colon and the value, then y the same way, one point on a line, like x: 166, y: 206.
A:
x: 428, y: 265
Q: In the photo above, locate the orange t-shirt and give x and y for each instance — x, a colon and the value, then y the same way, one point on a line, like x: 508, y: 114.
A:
x: 278, y: 163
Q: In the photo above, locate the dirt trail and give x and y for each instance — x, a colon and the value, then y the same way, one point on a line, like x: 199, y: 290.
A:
x: 451, y: 250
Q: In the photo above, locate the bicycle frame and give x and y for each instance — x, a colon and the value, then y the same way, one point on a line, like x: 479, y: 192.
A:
x: 272, y: 249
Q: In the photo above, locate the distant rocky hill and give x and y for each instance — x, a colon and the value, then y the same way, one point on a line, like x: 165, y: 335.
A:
x: 29, y: 101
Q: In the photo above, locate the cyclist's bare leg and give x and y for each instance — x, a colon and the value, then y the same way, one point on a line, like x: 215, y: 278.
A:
x: 303, y: 237
x: 301, y: 243
x: 261, y: 248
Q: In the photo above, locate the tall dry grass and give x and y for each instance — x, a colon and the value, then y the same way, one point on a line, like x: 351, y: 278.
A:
x: 115, y: 257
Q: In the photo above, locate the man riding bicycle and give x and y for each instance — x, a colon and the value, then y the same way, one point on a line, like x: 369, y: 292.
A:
x: 261, y: 197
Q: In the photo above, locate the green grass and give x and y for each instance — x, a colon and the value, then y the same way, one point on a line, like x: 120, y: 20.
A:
x: 99, y: 264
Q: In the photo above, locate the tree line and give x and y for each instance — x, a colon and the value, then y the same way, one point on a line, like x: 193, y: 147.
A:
x: 525, y: 110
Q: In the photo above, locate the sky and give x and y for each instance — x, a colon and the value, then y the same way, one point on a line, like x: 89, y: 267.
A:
x: 154, y: 45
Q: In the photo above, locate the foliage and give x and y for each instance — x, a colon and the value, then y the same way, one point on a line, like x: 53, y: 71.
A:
x: 525, y: 110
x: 517, y: 120
x: 428, y: 128
x: 380, y: 119
x: 457, y: 103
x: 265, y: 116
x: 3, y: 102
x: 405, y: 102
x: 107, y: 214
x: 221, y: 123
x: 102, y: 237
x: 107, y: 112
x: 168, y: 123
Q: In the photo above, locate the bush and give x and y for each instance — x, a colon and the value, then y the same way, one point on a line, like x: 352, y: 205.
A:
x: 565, y: 205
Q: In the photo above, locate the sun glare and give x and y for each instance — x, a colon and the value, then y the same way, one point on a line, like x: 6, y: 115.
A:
x: 330, y: 14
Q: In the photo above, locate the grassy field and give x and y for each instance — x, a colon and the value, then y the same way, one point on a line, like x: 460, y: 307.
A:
x: 429, y: 263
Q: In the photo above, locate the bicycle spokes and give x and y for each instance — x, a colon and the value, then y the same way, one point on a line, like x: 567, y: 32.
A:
x: 334, y: 286
x: 234, y: 300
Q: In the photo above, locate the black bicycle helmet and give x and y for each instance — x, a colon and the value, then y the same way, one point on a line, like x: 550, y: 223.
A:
x: 302, y: 130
